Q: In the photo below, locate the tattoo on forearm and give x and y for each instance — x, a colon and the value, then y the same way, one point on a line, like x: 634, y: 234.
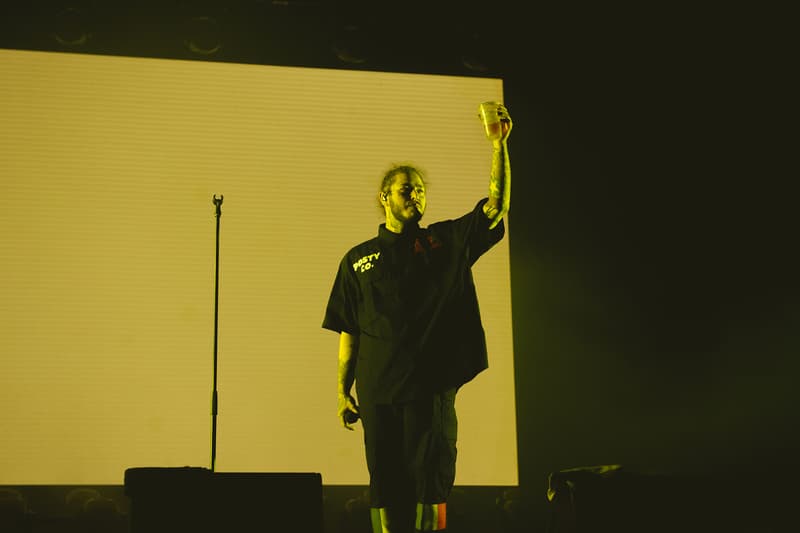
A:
x: 500, y: 178
x: 494, y: 188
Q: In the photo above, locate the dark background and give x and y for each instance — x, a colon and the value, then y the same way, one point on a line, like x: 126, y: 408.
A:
x: 653, y: 225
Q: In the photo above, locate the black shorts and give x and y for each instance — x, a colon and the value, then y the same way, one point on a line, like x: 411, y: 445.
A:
x: 411, y: 449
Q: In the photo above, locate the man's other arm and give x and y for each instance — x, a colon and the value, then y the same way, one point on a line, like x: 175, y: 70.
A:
x: 348, y: 349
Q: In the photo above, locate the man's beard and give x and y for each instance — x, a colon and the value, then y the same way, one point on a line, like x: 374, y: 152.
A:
x: 406, y: 214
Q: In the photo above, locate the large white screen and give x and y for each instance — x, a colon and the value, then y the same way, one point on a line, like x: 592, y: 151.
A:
x: 108, y: 167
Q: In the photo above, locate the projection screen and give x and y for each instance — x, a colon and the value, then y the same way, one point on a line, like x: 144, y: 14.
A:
x: 109, y: 166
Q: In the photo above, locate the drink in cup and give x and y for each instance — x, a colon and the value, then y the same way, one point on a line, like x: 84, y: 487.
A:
x: 491, y: 120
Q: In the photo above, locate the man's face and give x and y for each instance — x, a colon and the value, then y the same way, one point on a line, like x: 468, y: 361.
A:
x: 405, y: 201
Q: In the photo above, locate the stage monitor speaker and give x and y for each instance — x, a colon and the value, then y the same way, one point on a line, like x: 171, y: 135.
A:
x: 196, y: 499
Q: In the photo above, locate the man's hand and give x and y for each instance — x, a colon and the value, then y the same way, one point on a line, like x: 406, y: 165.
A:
x: 505, y: 125
x: 347, y: 410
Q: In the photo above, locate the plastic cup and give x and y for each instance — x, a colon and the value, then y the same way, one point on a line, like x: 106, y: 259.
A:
x: 491, y: 120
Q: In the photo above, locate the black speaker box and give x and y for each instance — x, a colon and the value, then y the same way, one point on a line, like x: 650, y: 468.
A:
x: 196, y: 499
x: 609, y: 499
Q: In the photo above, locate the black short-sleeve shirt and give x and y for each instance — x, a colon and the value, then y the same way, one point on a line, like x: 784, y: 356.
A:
x: 411, y: 299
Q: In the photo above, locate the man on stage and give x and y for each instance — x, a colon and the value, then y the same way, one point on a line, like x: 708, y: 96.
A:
x: 410, y: 335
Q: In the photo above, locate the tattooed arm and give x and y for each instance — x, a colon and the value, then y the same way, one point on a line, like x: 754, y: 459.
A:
x: 500, y: 183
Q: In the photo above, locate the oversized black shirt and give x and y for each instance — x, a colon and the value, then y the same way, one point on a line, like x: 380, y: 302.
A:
x: 411, y: 299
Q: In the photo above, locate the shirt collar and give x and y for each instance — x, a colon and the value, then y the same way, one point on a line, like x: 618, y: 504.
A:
x: 389, y: 237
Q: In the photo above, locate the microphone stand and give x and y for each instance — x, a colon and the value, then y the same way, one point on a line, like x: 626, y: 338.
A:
x: 214, y: 397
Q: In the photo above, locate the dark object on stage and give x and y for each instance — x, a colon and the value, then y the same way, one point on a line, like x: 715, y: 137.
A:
x: 608, y: 498
x: 197, y: 499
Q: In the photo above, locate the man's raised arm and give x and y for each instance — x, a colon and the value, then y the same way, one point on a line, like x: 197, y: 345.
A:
x: 500, y: 182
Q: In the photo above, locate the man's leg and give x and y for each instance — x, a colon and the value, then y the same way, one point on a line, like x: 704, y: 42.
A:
x: 432, y: 431
x: 391, y: 488
x: 395, y: 519
x: 431, y: 517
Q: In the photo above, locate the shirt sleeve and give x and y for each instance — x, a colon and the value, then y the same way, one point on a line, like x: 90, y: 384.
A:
x: 341, y: 312
x: 472, y: 230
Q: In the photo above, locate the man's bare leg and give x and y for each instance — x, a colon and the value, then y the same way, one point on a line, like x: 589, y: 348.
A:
x: 392, y: 520
x: 431, y: 517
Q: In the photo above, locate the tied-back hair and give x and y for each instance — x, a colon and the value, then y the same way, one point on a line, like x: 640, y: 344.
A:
x: 395, y: 169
